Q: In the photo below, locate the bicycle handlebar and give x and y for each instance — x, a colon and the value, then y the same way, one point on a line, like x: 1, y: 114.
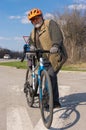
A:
x: 38, y: 51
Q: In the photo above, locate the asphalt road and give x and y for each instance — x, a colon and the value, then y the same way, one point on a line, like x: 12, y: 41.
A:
x: 16, y: 115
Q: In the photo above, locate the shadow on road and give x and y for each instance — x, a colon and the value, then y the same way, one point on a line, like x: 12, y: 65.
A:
x: 68, y: 114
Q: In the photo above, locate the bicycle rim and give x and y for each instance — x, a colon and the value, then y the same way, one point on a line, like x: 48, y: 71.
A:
x: 46, y: 104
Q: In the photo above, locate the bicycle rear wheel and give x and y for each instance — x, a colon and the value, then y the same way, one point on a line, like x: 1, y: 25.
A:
x: 30, y: 92
x: 46, y: 99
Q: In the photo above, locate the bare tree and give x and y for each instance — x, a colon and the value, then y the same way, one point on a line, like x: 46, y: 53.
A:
x: 73, y: 25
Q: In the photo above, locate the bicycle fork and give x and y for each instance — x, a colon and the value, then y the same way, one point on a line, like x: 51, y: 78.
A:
x: 33, y: 77
x: 41, y: 68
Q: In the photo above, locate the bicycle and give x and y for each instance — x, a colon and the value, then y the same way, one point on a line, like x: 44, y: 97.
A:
x: 42, y: 82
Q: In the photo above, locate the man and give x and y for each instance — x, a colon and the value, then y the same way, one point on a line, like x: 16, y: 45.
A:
x: 48, y: 36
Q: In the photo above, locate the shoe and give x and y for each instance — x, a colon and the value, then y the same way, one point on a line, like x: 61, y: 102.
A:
x: 57, y: 105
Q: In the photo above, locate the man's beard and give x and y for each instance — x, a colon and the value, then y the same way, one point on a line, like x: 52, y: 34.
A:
x: 38, y: 25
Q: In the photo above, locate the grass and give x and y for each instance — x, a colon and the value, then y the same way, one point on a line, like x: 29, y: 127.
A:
x: 17, y: 64
x: 69, y: 67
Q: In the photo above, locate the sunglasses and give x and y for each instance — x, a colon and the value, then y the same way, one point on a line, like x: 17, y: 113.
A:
x: 37, y: 18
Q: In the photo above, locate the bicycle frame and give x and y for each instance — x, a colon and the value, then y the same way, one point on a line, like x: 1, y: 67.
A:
x: 41, y: 67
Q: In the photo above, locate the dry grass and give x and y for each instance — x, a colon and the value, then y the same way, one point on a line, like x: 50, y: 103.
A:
x: 75, y: 67
x: 80, y: 65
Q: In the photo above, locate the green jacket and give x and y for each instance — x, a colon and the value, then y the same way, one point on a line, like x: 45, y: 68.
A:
x: 47, y: 36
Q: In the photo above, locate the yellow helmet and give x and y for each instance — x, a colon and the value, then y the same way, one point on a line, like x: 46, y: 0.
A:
x: 33, y: 13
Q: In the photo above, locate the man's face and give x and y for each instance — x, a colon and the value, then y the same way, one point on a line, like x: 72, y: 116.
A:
x: 37, y: 21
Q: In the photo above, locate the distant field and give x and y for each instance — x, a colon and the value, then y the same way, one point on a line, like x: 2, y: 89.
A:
x: 23, y: 65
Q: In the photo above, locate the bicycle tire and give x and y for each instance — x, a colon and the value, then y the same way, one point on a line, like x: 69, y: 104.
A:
x: 46, y: 120
x: 30, y: 93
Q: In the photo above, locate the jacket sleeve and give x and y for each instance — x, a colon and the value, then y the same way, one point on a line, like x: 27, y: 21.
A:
x: 55, y: 33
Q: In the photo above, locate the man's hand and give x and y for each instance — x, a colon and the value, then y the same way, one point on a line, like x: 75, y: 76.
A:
x: 32, y: 48
x: 53, y: 50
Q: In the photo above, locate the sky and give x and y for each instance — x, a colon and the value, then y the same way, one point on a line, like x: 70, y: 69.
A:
x: 14, y: 23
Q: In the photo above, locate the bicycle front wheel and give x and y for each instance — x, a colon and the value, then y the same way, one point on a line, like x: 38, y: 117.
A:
x: 46, y: 99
